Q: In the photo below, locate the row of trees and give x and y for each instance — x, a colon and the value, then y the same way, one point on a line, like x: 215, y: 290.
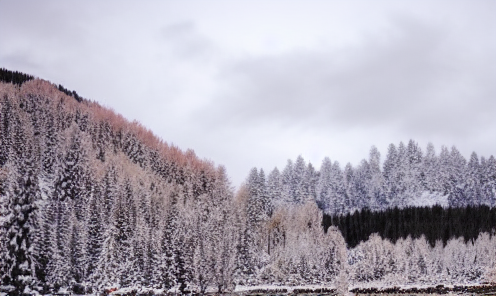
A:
x: 419, y: 245
x: 434, y: 223
x: 408, y: 177
x: 380, y: 263
x: 14, y: 77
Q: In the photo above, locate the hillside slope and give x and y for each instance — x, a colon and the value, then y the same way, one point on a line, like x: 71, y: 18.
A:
x: 89, y: 199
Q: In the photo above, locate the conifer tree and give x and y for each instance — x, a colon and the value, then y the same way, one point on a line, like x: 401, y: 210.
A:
x: 274, y: 189
x: 20, y: 224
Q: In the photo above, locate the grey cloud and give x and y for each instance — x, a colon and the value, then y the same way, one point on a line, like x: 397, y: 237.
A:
x: 416, y: 79
x: 185, y: 41
x: 46, y: 22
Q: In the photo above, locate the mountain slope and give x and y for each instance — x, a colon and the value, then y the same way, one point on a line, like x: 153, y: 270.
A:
x: 87, y: 197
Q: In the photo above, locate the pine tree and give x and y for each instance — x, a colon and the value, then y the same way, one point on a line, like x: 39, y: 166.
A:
x: 287, y: 177
x: 376, y: 195
x: 431, y: 170
x: 488, y: 181
x: 390, y: 172
x: 95, y: 230
x: 324, y: 186
x: 472, y: 180
x: 274, y: 190
x: 456, y: 180
x: 299, y: 183
x: 349, y: 177
x: 20, y: 226
x: 257, y: 202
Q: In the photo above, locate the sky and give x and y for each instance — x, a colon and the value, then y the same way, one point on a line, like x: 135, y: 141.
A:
x: 254, y: 83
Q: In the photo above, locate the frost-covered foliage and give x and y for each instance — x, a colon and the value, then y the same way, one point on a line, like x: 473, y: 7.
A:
x: 90, y: 201
x: 408, y: 177
x: 380, y: 263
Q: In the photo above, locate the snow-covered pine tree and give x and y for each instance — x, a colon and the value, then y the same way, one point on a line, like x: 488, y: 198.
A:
x: 324, y: 188
x: 430, y: 170
x: 488, y: 181
x: 274, y: 189
x: 472, y: 178
x: 311, y: 179
x: 299, y: 182
x: 287, y: 182
x: 224, y: 232
x: 390, y: 169
x: 458, y: 166
x: 262, y: 193
x: 257, y: 200
x: 124, y: 215
x: 339, y: 195
x: 351, y: 204
x: 361, y: 182
x: 95, y: 230
x: 413, y: 174
x: 21, y: 222
x: 376, y: 195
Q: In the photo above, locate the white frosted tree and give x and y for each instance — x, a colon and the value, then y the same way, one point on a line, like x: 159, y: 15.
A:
x: 324, y: 187
x: 274, y: 189
x: 458, y: 166
x: 299, y: 183
x: 375, y: 191
x: 20, y: 226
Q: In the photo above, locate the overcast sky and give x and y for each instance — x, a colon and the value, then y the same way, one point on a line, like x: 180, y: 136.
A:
x: 254, y: 83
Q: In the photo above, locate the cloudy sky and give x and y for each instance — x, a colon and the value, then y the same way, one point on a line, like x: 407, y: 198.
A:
x: 254, y: 83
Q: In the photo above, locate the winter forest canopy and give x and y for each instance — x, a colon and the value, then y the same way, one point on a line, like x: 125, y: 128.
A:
x: 91, y: 201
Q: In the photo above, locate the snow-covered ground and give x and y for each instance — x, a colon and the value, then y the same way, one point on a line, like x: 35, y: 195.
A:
x: 427, y: 199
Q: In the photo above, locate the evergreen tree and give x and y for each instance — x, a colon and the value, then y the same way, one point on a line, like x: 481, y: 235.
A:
x: 473, y: 177
x: 456, y: 181
x: 376, y: 195
x: 287, y: 177
x: 430, y: 170
x: 299, y: 183
x: 390, y: 173
x: 20, y: 226
x: 95, y: 230
x: 274, y: 189
x: 324, y: 186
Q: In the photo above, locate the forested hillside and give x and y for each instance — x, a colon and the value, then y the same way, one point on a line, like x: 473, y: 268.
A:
x: 90, y: 201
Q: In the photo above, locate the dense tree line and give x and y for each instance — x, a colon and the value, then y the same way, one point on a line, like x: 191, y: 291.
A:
x: 73, y: 93
x: 14, y: 77
x: 90, y: 201
x: 380, y: 263
x: 434, y: 223
x: 407, y: 177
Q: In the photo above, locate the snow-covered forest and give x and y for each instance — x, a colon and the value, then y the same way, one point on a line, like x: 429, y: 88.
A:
x: 91, y: 201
